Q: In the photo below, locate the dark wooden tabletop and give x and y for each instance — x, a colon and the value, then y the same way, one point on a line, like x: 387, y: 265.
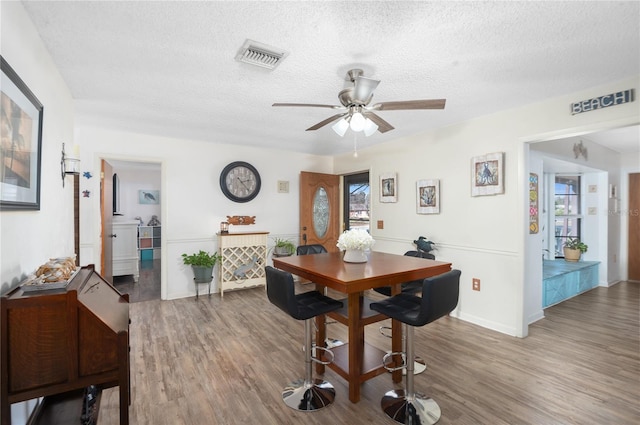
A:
x: 381, y: 269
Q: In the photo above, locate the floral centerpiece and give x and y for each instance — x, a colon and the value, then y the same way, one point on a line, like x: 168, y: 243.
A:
x: 354, y: 242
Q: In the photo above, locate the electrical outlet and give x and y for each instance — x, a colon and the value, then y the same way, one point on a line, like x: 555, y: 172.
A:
x: 380, y: 224
x: 475, y: 284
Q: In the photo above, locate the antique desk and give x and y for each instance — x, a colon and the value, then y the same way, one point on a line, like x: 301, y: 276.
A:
x: 59, y: 340
x: 358, y: 361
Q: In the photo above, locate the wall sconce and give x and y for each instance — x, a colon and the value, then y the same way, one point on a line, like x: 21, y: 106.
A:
x: 224, y: 227
x: 68, y: 165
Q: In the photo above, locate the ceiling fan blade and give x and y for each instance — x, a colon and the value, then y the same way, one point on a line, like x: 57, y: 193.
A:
x: 327, y: 121
x: 313, y: 105
x: 410, y: 104
x: 383, y: 126
x: 363, y: 89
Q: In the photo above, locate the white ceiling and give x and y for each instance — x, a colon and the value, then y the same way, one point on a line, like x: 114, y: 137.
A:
x: 168, y: 68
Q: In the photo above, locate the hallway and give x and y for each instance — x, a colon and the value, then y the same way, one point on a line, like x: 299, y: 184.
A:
x: 148, y: 286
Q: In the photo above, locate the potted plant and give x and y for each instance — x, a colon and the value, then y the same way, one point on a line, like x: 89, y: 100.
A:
x: 573, y: 249
x: 202, y: 264
x: 283, y: 247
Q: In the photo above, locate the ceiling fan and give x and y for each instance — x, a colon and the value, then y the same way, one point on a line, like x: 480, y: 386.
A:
x: 356, y: 112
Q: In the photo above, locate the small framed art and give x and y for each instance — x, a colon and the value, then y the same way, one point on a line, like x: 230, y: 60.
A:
x: 428, y: 196
x: 389, y: 187
x: 148, y: 197
x: 487, y: 174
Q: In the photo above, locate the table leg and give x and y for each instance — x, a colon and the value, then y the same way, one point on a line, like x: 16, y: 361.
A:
x: 356, y: 345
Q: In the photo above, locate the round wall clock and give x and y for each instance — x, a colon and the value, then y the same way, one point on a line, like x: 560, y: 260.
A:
x: 240, y: 181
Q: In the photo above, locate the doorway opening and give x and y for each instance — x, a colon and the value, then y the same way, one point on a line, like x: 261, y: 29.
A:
x: 356, y: 201
x: 137, y: 199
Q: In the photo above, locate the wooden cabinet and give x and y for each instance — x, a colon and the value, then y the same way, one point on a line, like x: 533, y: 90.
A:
x: 244, y: 255
x: 60, y: 340
x: 149, y: 242
x: 125, y: 249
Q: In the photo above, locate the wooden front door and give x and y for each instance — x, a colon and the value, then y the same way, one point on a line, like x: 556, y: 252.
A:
x: 634, y: 227
x: 319, y: 209
x: 106, y: 213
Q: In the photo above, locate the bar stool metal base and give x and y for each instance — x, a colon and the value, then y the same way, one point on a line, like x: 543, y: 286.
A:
x: 418, y: 410
x: 307, y: 397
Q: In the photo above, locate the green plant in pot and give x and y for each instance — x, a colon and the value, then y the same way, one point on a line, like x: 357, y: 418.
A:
x: 283, y: 247
x: 573, y: 249
x: 202, y: 264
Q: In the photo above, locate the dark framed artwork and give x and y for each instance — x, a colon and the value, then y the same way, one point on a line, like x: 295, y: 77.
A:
x: 487, y: 174
x: 21, y: 143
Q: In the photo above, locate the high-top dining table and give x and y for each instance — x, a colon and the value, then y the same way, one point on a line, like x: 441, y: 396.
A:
x: 356, y: 361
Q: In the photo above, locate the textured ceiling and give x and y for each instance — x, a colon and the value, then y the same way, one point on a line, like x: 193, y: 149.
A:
x: 168, y: 68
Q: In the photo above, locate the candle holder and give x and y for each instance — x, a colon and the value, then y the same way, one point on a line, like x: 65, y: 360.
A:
x: 224, y: 227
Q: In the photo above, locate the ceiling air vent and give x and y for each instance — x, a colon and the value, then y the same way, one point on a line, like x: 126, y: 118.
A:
x: 260, y: 54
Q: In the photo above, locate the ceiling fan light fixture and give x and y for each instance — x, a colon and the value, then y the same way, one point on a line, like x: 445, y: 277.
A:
x: 369, y: 127
x: 341, y: 127
x: 357, y: 122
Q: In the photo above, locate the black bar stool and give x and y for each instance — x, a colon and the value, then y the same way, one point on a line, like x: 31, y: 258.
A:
x: 439, y: 298
x: 319, y: 249
x: 414, y: 287
x: 308, y: 394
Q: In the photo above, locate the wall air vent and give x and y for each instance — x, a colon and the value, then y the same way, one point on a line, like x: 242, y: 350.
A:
x: 260, y: 54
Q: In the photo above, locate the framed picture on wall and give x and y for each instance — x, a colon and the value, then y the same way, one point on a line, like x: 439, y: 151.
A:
x: 149, y: 197
x: 21, y: 143
x: 428, y: 196
x: 487, y: 174
x: 389, y: 187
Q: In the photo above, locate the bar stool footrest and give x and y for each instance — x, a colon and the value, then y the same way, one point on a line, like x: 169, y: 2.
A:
x: 387, y: 356
x: 318, y: 359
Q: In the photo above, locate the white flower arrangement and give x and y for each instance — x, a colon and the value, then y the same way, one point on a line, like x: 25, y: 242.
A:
x: 355, y: 239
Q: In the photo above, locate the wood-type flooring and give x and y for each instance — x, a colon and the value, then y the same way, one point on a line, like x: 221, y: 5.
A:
x: 226, y: 361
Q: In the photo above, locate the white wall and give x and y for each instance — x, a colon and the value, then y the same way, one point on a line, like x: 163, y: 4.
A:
x: 191, y: 201
x: 30, y: 238
x: 535, y: 244
x: 485, y: 237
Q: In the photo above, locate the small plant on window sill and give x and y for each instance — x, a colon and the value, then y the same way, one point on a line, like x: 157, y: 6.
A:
x: 573, y: 249
x: 574, y: 243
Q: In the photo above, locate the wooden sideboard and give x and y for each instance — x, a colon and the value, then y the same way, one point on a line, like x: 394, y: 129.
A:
x: 59, y: 340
